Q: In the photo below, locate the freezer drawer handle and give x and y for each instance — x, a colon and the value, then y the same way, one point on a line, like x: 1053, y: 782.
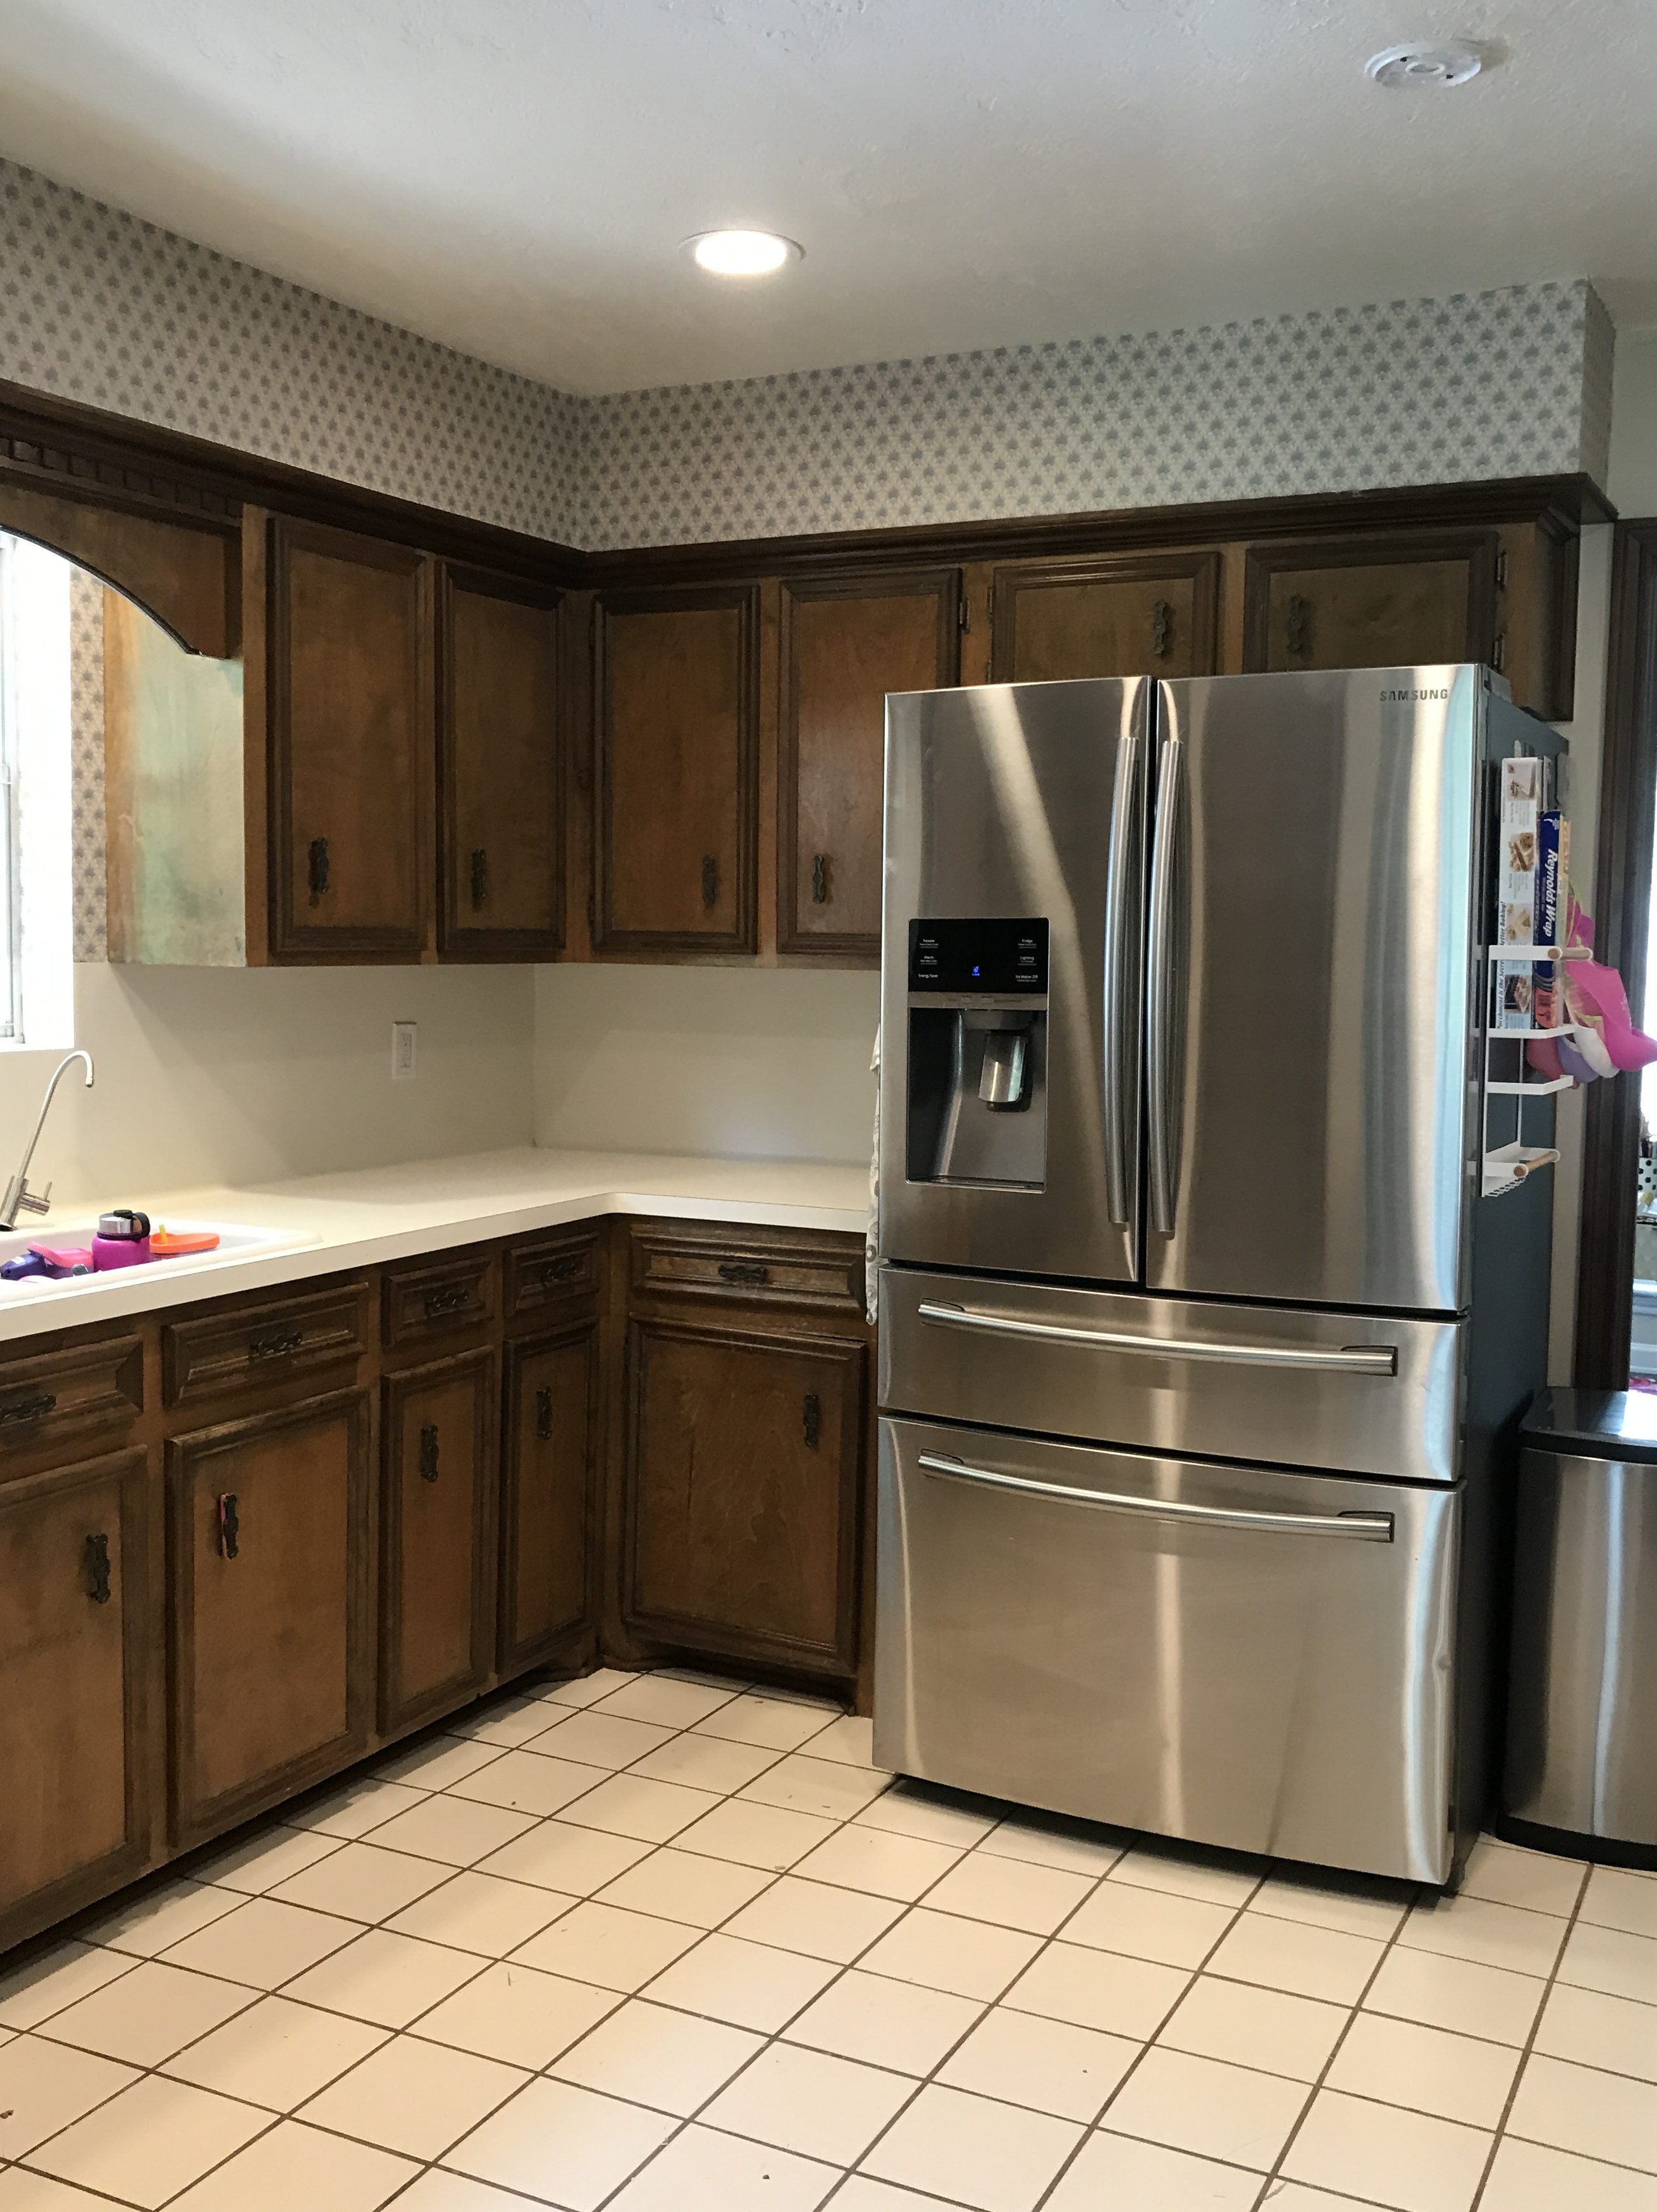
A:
x: 1345, y: 1359
x: 1365, y: 1527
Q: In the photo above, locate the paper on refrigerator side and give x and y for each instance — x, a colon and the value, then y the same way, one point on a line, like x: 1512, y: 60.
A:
x: 1515, y: 890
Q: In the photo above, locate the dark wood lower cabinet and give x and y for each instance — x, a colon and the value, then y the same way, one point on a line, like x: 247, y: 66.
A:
x: 546, y: 1491
x: 437, y: 1523
x: 741, y: 1524
x: 75, y: 1628
x: 259, y: 1537
x: 271, y: 1658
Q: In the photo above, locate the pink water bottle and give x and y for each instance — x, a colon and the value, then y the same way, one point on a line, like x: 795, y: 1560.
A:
x: 122, y: 1241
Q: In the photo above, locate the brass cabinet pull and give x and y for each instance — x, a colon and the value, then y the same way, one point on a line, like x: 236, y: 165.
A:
x: 710, y: 881
x: 1297, y: 625
x: 811, y: 1420
x: 317, y: 869
x: 97, y: 1568
x: 229, y: 1526
x: 819, y: 878
x: 428, y: 1452
x: 1161, y: 629
x: 277, y: 1346
x: 33, y: 1407
x: 543, y: 1413
x: 480, y: 875
x: 743, y: 1271
x: 452, y: 1299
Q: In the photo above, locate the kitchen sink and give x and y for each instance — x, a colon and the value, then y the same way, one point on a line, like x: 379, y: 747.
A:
x: 236, y: 1242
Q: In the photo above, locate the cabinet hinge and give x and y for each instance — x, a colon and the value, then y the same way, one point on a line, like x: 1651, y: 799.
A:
x: 963, y: 613
x: 1499, y: 653
x: 1502, y: 569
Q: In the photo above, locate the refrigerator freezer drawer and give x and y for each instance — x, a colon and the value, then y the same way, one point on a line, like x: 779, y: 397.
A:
x: 1349, y: 1392
x: 1228, y: 1655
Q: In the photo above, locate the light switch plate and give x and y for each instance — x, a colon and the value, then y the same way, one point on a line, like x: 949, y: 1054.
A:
x: 402, y: 1051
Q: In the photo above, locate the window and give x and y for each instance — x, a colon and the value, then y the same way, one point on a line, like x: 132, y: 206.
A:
x: 37, y: 970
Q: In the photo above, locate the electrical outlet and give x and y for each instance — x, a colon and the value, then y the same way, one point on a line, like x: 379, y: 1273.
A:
x: 402, y: 1051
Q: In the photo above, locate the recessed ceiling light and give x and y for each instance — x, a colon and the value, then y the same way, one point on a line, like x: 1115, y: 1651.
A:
x: 742, y: 252
x: 1418, y: 65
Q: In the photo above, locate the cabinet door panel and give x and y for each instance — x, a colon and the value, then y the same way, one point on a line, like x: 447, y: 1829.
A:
x: 501, y: 813
x: 437, y: 1520
x: 846, y: 643
x: 267, y: 1531
x: 351, y: 760
x: 1055, y: 621
x: 742, y: 1504
x: 551, y: 1388
x: 74, y: 1629
x: 677, y: 697
x: 1409, y: 601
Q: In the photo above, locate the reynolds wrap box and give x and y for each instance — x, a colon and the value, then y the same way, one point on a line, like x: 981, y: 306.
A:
x: 1552, y: 866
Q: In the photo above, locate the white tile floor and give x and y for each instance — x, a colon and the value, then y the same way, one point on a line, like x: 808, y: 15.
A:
x: 665, y: 1944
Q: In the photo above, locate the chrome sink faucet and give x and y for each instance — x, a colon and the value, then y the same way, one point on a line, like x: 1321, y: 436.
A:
x: 19, y: 1198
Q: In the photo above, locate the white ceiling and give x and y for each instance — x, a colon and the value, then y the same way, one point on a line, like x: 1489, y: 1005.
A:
x: 514, y: 176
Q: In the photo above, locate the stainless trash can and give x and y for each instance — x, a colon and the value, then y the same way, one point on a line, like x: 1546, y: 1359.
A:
x: 1582, y: 1752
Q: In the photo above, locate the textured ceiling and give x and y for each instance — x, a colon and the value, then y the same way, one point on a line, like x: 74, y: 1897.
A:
x: 514, y: 176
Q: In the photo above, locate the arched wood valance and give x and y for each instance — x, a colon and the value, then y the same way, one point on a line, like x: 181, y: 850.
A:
x: 187, y: 574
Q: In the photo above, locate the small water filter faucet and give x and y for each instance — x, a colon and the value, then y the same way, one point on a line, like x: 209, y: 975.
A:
x: 19, y: 1198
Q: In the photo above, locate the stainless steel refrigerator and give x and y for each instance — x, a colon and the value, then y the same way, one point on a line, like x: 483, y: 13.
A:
x: 1199, y: 1350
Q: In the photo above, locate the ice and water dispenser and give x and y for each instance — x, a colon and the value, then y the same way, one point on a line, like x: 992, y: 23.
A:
x: 978, y: 1053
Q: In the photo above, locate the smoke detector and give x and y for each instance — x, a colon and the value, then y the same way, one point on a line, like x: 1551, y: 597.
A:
x: 1416, y: 65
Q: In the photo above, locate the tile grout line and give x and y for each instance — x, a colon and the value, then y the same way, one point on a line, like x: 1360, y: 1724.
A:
x: 277, y: 1827
x: 775, y: 1875
x: 1275, y: 2173
x: 744, y: 1688
x: 776, y: 2036
x: 1523, y: 2066
x: 1150, y: 2043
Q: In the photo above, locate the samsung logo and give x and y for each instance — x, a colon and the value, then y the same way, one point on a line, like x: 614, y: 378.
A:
x: 1409, y: 698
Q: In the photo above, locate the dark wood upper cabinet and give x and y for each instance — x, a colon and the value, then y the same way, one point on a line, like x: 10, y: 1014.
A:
x: 349, y: 702
x: 676, y: 698
x: 1408, y: 599
x: 1120, y: 615
x: 845, y: 641
x: 550, y: 1436
x: 75, y: 1629
x: 740, y: 1532
x: 270, y: 1668
x: 500, y: 787
x: 437, y: 1526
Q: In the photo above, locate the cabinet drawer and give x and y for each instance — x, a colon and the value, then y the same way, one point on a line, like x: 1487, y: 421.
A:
x: 62, y: 1394
x: 259, y: 1344
x: 432, y: 1298
x: 796, y: 1270
x: 548, y: 1269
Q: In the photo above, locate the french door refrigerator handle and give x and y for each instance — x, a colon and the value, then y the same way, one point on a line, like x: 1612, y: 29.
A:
x: 1342, y: 1359
x: 1122, y: 1061
x: 1364, y: 1528
x: 1159, y: 985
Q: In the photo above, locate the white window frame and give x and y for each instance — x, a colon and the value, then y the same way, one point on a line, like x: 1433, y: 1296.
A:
x: 37, y: 838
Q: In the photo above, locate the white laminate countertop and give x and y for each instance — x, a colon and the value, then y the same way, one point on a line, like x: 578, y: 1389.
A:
x: 362, y: 1218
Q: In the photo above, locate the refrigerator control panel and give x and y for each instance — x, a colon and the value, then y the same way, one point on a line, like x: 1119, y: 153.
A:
x: 978, y: 955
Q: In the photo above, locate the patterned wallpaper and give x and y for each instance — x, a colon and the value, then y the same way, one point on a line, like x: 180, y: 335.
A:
x: 96, y: 305
x: 86, y: 759
x: 1489, y: 384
